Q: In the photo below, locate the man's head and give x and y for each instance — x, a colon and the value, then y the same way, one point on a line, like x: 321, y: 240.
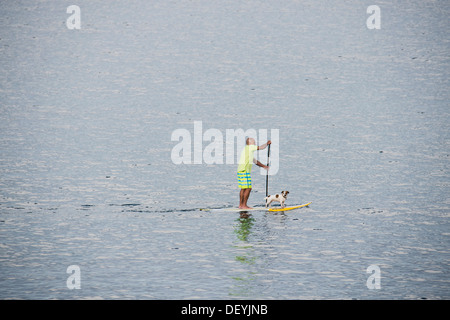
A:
x: 251, y: 141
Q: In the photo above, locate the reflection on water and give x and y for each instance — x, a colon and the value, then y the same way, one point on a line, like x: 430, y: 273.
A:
x: 254, y: 252
x: 244, y: 225
x: 244, y: 283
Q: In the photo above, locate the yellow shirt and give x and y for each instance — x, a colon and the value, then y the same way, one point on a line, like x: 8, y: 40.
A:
x: 246, y: 160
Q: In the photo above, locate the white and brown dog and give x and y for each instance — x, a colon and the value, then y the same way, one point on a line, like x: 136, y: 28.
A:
x: 281, y: 198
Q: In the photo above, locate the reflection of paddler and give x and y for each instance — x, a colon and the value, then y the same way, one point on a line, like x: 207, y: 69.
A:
x: 244, y: 215
x: 245, y: 224
x: 245, y: 168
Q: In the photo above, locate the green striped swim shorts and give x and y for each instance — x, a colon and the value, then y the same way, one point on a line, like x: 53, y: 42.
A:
x: 244, y: 180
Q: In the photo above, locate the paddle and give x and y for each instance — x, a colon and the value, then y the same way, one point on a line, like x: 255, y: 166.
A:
x: 267, y: 174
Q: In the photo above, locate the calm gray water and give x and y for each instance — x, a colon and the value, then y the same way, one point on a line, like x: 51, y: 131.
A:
x: 86, y: 176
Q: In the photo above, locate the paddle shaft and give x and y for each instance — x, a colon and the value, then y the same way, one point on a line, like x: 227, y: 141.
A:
x: 267, y: 173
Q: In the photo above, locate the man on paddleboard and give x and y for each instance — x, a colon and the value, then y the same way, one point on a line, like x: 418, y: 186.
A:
x: 245, y: 168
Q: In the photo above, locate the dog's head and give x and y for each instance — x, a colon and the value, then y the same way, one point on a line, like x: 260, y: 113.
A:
x: 284, y: 193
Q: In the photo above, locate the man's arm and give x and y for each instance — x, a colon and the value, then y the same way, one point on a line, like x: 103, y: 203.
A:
x: 263, y: 146
x: 259, y: 164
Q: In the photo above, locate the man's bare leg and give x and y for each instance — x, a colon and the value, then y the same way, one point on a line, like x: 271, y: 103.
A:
x: 241, y: 198
x: 244, y: 195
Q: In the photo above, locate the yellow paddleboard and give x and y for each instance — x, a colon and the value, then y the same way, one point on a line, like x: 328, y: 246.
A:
x: 290, y: 208
x: 260, y: 208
